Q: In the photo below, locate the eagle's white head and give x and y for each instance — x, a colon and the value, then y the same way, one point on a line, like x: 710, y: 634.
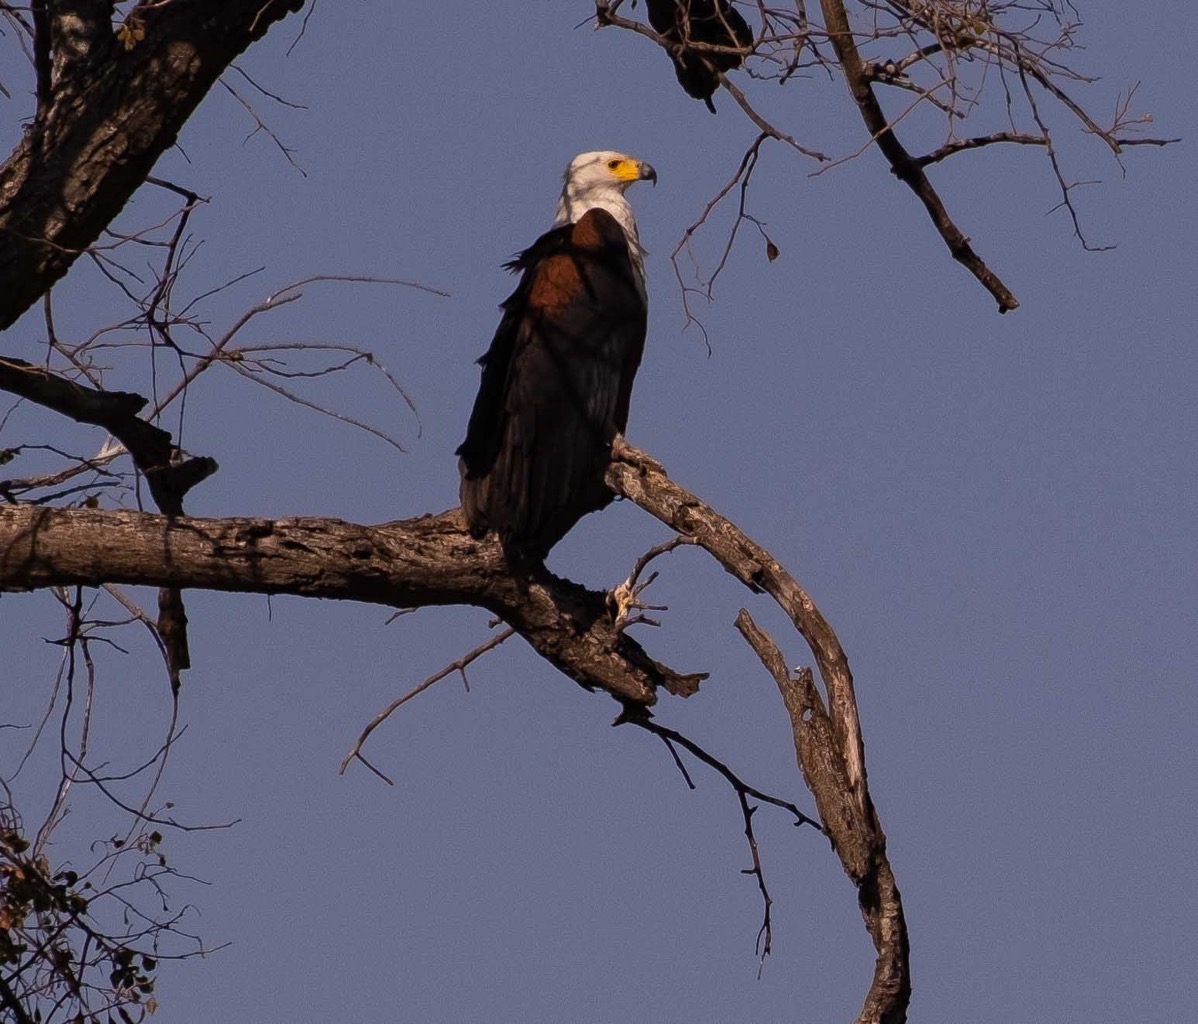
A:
x: 599, y: 180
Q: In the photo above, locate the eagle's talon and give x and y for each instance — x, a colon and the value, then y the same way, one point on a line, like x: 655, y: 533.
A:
x: 622, y: 451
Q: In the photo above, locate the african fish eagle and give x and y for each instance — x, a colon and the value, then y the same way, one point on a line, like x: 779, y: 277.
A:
x: 557, y: 378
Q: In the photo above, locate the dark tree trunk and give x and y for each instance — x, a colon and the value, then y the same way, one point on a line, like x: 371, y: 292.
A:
x: 105, y: 114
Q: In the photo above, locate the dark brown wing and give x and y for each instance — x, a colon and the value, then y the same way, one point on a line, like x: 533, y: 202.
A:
x: 715, y: 22
x: 556, y: 384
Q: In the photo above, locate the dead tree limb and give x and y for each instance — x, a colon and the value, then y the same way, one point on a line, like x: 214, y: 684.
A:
x: 827, y: 736
x: 855, y: 831
x: 637, y: 477
x: 432, y: 560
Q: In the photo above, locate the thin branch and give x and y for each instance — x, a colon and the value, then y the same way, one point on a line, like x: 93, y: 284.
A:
x: 262, y: 126
x: 765, y: 126
x: 266, y: 92
x: 311, y: 8
x: 436, y: 677
x: 637, y: 717
x: 671, y: 737
x: 741, y: 177
x: 955, y: 146
x: 142, y: 815
x: 287, y: 294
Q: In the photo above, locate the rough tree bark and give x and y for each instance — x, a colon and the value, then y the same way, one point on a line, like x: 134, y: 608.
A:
x: 429, y: 560
x: 106, y: 113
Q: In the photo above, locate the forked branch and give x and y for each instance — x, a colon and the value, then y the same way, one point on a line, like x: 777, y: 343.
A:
x: 905, y: 167
x: 855, y: 831
x: 827, y: 735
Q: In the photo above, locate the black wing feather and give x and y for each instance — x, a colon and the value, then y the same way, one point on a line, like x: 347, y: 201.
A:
x: 555, y: 388
x: 484, y: 432
x: 715, y: 22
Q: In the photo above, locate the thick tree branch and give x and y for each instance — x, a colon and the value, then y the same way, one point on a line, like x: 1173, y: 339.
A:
x: 430, y: 560
x: 150, y: 447
x: 113, y: 110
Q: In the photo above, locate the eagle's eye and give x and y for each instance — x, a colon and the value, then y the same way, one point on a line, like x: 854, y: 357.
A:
x: 613, y: 164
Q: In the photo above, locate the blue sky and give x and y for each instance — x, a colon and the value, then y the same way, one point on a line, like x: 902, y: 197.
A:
x: 996, y: 513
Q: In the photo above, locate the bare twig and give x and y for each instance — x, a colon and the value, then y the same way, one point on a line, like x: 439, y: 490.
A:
x: 626, y: 597
x: 262, y: 126
x: 454, y: 666
x: 672, y: 738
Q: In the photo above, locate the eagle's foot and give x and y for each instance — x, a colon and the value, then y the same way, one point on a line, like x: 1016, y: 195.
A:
x: 622, y: 451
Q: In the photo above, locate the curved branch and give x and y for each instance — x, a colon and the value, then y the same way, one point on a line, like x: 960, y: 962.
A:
x: 855, y: 831
x: 113, y: 110
x: 827, y: 737
x: 643, y: 481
